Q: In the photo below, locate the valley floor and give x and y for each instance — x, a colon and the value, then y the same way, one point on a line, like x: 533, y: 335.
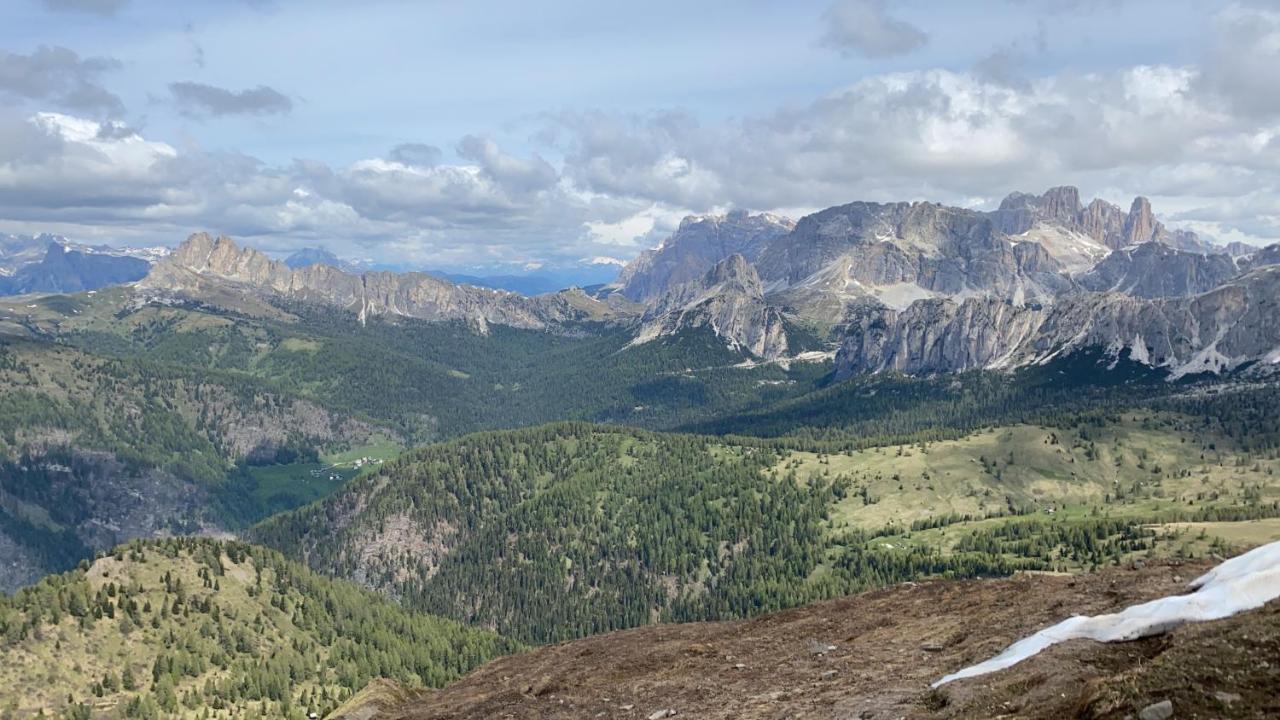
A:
x: 873, y: 655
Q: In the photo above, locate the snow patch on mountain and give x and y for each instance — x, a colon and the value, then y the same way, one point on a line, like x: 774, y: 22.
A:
x: 1245, y: 582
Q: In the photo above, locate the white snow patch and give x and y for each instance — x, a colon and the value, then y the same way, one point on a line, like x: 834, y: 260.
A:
x: 1242, y: 583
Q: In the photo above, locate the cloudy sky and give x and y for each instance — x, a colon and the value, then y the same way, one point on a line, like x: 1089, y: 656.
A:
x: 514, y: 134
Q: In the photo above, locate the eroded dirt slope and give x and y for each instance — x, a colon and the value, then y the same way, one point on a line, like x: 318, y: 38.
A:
x: 873, y: 656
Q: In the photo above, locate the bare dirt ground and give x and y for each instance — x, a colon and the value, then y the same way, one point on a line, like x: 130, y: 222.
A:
x: 874, y: 655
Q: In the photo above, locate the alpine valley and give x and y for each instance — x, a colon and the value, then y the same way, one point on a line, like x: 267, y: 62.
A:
x: 236, y: 485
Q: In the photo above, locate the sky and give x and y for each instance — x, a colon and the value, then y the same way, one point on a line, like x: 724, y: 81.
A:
x: 513, y: 136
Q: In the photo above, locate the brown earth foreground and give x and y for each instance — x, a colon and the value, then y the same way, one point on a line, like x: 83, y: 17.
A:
x: 873, y: 656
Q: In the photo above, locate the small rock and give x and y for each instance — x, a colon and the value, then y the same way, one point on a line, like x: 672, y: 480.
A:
x: 1162, y: 710
x: 541, y: 687
x: 931, y: 647
x: 827, y: 675
x: 739, y: 666
x: 627, y: 707
x: 659, y: 714
x: 1227, y: 698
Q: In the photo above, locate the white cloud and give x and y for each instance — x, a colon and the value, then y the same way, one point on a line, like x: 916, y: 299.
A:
x: 864, y: 27
x: 58, y: 76
x: 1200, y: 138
x: 1242, y: 60
x: 939, y: 135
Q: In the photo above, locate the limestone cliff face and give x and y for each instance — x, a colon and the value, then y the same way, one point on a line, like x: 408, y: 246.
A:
x: 694, y: 248
x: 1139, y: 224
x: 204, y: 263
x: 1214, y: 331
x: 1155, y: 270
x: 895, y: 253
x: 1101, y: 221
x: 729, y: 300
x: 935, y: 335
x: 1258, y: 257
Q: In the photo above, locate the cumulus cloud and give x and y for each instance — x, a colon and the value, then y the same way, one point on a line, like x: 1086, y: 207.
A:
x: 93, y: 7
x: 933, y: 134
x: 56, y: 164
x: 60, y: 77
x: 199, y: 99
x: 1200, y: 139
x: 515, y: 176
x: 864, y: 27
x: 416, y: 155
x: 63, y: 170
x: 1241, y: 65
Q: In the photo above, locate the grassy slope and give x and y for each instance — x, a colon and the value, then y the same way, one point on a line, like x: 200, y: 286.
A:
x: 541, y: 519
x: 1143, y: 469
x: 1141, y: 466
x: 281, y: 487
x: 238, y: 607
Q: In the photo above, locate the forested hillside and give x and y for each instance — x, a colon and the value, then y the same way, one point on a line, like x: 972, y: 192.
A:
x: 97, y: 450
x: 571, y: 529
x: 427, y: 380
x: 198, y: 628
x: 216, y: 419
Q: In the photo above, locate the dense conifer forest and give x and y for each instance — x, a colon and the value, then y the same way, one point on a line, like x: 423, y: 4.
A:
x: 199, y: 628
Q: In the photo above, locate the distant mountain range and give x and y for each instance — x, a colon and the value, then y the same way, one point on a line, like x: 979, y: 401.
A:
x: 209, y: 266
x: 920, y: 287
x: 536, y: 283
x: 912, y: 287
x: 53, y: 264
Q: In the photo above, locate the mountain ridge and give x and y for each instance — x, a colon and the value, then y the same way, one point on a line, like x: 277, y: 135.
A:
x: 375, y: 293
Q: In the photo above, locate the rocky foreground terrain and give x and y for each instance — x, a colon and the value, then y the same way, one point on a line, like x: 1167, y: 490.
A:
x: 874, y: 655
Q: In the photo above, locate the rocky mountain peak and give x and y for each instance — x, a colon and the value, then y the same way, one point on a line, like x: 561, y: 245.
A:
x: 204, y: 265
x: 315, y: 256
x: 736, y: 271
x: 1062, y: 203
x: 1140, y: 225
x: 729, y: 301
x: 695, y: 247
x: 1100, y: 220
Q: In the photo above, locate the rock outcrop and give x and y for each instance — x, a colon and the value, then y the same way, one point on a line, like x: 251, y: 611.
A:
x: 700, y: 242
x: 204, y: 261
x: 837, y: 259
x: 1216, y: 331
x: 1155, y: 270
x: 1101, y: 221
x: 728, y: 300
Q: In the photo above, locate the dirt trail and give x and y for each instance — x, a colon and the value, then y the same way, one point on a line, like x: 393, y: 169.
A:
x: 888, y: 646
